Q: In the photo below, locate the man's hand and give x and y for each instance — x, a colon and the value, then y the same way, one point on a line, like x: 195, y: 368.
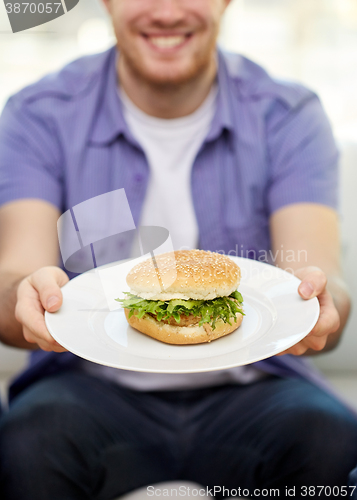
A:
x: 39, y: 292
x: 313, y: 284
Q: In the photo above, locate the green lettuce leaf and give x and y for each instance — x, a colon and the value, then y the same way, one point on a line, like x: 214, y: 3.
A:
x: 209, y: 311
x: 237, y: 295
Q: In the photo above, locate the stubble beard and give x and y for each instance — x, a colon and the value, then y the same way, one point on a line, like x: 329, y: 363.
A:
x: 168, y: 81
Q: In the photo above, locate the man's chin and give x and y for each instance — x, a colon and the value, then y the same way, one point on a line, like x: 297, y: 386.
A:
x: 167, y: 74
x: 168, y: 79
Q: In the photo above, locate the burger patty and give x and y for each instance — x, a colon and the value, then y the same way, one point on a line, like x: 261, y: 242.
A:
x: 189, y: 320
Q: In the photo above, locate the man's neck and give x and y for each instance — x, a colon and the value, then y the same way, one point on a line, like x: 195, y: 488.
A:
x: 171, y: 101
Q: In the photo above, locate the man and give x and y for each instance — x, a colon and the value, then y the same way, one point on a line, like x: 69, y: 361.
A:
x: 256, y: 167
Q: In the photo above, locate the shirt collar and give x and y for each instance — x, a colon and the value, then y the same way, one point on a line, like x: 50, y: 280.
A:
x: 223, y: 119
x: 110, y: 122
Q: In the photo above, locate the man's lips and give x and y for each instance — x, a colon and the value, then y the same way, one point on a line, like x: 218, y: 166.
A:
x: 167, y: 42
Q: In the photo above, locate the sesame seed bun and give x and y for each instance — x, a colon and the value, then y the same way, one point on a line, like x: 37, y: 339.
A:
x: 179, y: 335
x: 185, y: 274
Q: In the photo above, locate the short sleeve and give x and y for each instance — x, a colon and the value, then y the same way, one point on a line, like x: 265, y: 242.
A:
x: 303, y: 157
x: 30, y: 157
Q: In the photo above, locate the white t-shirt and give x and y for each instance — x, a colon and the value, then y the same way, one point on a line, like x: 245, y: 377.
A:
x: 171, y: 147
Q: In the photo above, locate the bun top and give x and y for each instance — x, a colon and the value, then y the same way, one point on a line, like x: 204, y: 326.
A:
x: 185, y: 274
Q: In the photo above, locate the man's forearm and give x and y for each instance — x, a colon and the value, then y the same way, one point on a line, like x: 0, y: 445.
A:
x: 10, y: 328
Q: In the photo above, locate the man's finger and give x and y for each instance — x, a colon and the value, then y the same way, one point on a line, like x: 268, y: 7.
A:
x: 316, y: 343
x: 29, y: 312
x: 313, y: 283
x: 45, y: 345
x: 48, y: 285
x: 35, y: 325
x: 329, y: 320
x: 296, y: 350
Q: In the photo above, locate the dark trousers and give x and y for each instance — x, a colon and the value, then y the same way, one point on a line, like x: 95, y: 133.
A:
x: 74, y: 436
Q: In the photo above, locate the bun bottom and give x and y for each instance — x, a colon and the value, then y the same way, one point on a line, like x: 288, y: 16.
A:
x: 181, y: 334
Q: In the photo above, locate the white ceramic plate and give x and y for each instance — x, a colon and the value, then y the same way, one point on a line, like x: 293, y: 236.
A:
x: 276, y: 318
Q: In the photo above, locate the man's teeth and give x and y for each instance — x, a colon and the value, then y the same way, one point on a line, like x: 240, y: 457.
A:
x: 167, y: 42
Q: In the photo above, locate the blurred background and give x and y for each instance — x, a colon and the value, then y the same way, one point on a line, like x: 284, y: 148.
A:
x: 312, y: 41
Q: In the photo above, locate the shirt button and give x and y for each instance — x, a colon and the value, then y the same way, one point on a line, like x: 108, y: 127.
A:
x: 138, y: 178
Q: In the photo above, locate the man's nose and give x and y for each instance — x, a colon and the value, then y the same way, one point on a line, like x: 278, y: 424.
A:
x: 168, y: 12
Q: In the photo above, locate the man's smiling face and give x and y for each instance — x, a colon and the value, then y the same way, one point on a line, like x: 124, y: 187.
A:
x: 166, y: 42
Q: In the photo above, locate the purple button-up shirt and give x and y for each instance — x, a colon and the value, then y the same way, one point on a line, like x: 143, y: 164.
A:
x: 64, y: 140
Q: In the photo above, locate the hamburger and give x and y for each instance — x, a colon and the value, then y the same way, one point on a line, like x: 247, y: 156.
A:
x: 184, y: 297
